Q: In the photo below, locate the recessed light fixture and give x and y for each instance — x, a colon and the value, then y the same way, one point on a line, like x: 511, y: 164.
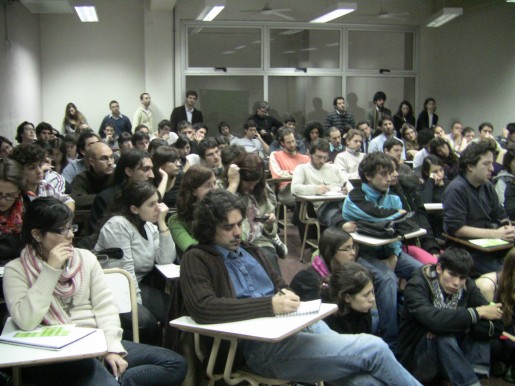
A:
x: 443, y: 16
x: 342, y: 9
x: 211, y: 10
x: 87, y: 13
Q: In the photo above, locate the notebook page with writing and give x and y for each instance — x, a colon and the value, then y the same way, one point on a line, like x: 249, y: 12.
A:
x: 311, y: 307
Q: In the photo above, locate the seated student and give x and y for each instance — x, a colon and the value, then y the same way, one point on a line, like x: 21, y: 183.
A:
x: 252, y: 140
x: 246, y: 179
x: 424, y: 138
x: 164, y: 131
x: 12, y: 207
x: 472, y: 209
x: 110, y: 137
x: 84, y: 142
x: 313, y: 131
x: 409, y: 137
x: 140, y: 140
x: 208, y: 156
x: 133, y: 166
x: 505, y: 176
x: 372, y: 201
x: 167, y: 162
x: 351, y: 286
x: 6, y: 147
x: 499, y: 287
x: 423, y: 248
x: 224, y: 279
x: 196, y: 183
x: 183, y: 147
x: 446, y: 322
x: 441, y: 148
x: 435, y: 183
x: 31, y: 158
x: 131, y: 228
x: 57, y: 154
x: 155, y: 144
x: 39, y: 290
x: 469, y: 134
x: 335, y: 142
x: 335, y: 248
x: 349, y: 159
x: 124, y: 143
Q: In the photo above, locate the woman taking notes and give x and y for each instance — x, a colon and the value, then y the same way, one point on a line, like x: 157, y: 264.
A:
x: 54, y: 283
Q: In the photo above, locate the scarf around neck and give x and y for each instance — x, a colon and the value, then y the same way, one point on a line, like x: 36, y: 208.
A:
x: 440, y: 301
x: 67, y: 285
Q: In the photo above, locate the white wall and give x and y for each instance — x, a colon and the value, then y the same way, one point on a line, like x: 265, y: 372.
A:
x: 468, y: 66
x: 20, y: 69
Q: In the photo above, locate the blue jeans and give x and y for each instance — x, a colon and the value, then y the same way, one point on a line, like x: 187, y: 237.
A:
x: 148, y: 365
x: 457, y: 359
x: 385, y: 286
x: 320, y: 354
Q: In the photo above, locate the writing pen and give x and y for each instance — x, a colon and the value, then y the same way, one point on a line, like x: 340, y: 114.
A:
x: 281, y: 292
x: 67, y: 265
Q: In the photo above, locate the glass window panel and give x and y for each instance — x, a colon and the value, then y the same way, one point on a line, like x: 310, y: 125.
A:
x: 361, y: 90
x: 226, y: 98
x: 306, y: 98
x: 224, y: 47
x: 304, y: 48
x: 372, y: 50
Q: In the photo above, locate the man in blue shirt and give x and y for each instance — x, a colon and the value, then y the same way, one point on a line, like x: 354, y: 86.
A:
x: 120, y: 122
x: 224, y: 279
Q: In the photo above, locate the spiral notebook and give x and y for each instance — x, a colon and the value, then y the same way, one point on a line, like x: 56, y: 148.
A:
x: 311, y: 307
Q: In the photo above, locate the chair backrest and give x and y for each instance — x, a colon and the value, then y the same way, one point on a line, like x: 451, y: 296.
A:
x: 124, y: 294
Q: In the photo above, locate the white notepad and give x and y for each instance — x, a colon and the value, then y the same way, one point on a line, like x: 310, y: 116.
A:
x: 311, y: 307
x: 44, y: 337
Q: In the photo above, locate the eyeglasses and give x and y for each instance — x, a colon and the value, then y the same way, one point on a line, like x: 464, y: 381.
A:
x: 63, y: 231
x: 9, y: 196
x: 354, y: 248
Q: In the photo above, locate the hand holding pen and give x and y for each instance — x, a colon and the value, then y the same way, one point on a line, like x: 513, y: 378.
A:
x: 285, y: 301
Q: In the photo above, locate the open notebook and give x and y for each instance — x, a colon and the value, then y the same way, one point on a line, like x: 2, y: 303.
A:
x: 45, y: 337
x: 310, y: 307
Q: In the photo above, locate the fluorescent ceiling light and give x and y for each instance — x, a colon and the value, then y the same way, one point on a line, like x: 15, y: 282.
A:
x: 87, y: 13
x: 443, y: 16
x: 211, y: 10
x: 342, y: 9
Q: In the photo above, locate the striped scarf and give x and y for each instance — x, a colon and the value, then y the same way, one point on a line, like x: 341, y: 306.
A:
x: 68, y: 284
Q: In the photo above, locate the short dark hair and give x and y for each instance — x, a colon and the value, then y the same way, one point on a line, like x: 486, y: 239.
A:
x: 231, y: 152
x: 155, y: 144
x: 200, y: 125
x: 44, y: 213
x: 373, y: 163
x: 249, y: 123
x: 472, y: 154
x: 81, y: 141
x: 191, y: 92
x: 204, y: 145
x: 20, y: 129
x: 283, y: 132
x: 289, y: 118
x: 222, y: 124
x: 384, y: 118
x: 458, y: 260
x: 139, y: 136
x: 28, y: 153
x: 130, y: 159
x: 124, y: 137
x: 511, y: 127
x: 222, y: 140
x: 43, y: 126
x: 485, y: 124
x: 424, y: 137
x: 163, y: 123
x: 508, y: 157
x: 10, y: 171
x: 212, y: 211
x: 379, y: 95
x: 113, y: 101
x: 142, y: 95
x: 466, y: 129
x: 391, y: 142
x: 181, y: 142
x: 336, y: 99
x: 321, y: 144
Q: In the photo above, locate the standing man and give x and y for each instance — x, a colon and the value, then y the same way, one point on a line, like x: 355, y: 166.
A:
x: 376, y: 115
x: 446, y: 323
x: 339, y: 117
x: 265, y: 124
x: 387, y: 129
x: 120, y: 122
x: 227, y: 280
x: 186, y: 112
x: 472, y: 208
x: 143, y: 115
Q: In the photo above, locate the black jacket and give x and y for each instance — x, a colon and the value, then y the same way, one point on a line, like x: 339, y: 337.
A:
x: 420, y: 316
x: 179, y: 114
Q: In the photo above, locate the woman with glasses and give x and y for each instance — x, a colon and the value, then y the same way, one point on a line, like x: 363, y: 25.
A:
x: 131, y: 228
x: 335, y: 248
x: 54, y: 283
x: 12, y: 206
